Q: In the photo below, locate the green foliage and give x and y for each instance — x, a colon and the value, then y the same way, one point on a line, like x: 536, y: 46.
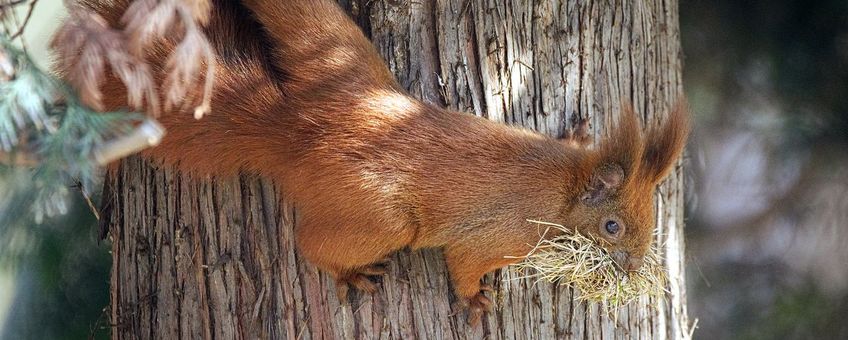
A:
x: 41, y: 119
x: 67, y: 153
x: 25, y: 98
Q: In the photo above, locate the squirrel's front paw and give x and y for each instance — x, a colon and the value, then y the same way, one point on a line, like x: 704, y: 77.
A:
x: 477, y: 305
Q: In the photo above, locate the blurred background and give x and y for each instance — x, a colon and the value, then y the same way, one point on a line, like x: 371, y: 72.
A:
x: 767, y: 237
x: 767, y: 232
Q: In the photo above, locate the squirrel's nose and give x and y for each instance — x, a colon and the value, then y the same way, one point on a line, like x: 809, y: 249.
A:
x: 627, y: 262
x: 634, y: 263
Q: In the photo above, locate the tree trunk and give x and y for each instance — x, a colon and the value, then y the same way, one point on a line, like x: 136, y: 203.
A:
x: 216, y: 259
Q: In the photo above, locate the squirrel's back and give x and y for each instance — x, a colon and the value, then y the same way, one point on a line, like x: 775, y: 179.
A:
x: 280, y: 90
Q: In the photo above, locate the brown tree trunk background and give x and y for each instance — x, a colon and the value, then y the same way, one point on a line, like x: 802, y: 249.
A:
x: 216, y: 259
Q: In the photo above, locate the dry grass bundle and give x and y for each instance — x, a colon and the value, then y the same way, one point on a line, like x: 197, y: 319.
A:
x: 579, y: 261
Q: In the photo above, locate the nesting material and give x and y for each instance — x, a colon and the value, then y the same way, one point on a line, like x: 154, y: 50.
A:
x: 579, y: 261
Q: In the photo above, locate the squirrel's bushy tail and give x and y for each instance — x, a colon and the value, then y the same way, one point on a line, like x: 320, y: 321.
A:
x: 314, y: 41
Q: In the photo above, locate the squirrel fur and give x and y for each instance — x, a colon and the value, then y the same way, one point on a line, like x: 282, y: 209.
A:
x: 303, y: 97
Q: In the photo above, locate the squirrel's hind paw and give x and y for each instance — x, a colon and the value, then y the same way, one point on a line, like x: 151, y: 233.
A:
x: 359, y: 280
x: 476, y: 306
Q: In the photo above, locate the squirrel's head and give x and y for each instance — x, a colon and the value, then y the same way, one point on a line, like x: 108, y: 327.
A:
x: 616, y: 204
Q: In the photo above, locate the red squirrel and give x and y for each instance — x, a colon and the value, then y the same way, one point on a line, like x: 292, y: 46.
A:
x: 303, y: 97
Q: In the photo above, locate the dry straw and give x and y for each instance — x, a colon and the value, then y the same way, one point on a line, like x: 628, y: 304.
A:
x: 579, y: 261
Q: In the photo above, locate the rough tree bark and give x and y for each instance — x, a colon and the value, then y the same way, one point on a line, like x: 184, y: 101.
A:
x: 216, y: 259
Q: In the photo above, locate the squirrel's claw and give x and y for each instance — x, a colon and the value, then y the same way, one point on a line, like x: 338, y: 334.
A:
x: 359, y: 280
x: 476, y: 306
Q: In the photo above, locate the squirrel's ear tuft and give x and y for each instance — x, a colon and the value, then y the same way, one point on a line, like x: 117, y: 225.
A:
x: 605, y: 181
x: 623, y: 145
x: 664, y: 144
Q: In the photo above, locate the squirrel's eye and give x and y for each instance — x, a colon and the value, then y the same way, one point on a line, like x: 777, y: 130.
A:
x: 612, y: 227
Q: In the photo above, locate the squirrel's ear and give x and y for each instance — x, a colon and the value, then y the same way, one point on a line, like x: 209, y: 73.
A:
x: 664, y: 144
x: 605, y: 181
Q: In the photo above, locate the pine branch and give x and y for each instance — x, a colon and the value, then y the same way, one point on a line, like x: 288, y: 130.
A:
x: 58, y: 137
x: 25, y: 92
